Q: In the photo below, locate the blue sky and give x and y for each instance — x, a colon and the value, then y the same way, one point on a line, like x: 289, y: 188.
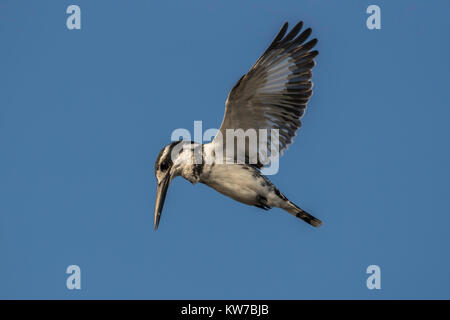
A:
x: 84, y: 113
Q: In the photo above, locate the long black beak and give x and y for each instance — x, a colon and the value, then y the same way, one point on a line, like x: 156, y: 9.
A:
x: 160, y: 197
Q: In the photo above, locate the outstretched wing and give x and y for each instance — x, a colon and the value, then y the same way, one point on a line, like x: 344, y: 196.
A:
x: 275, y: 91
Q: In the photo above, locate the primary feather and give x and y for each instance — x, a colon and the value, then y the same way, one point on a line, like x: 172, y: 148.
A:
x: 275, y: 91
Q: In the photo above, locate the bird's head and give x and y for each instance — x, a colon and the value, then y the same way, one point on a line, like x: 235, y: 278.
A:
x: 165, y: 171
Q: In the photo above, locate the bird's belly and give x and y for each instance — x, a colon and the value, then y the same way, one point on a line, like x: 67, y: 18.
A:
x: 234, y: 182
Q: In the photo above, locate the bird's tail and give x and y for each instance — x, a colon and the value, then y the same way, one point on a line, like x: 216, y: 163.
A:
x: 300, y: 213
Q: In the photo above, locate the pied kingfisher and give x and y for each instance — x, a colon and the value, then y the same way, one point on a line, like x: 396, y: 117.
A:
x: 272, y: 95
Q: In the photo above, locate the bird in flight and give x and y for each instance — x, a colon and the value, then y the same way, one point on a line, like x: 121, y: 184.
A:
x: 271, y: 96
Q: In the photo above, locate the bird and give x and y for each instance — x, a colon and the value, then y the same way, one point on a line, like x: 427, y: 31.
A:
x: 272, y: 95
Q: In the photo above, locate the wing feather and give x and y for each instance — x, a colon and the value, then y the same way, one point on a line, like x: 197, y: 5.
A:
x: 274, y: 92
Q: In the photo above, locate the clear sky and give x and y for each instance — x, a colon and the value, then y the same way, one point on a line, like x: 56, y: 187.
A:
x: 84, y: 113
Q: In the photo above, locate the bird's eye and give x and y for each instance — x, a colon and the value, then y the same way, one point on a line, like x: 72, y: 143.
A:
x: 163, y: 166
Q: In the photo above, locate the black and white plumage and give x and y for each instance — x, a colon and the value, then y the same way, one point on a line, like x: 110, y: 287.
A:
x: 272, y: 95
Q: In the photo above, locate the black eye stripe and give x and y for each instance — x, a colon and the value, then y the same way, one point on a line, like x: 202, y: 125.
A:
x: 167, y: 162
x: 164, y: 166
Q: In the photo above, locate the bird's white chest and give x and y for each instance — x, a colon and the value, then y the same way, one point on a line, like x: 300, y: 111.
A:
x: 238, y: 182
